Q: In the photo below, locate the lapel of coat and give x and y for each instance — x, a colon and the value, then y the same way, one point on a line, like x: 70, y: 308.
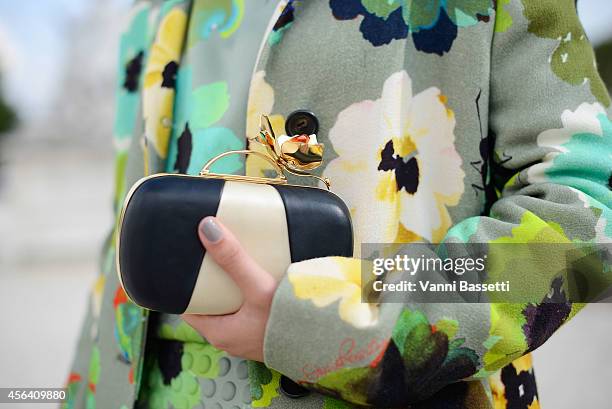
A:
x: 120, y: 347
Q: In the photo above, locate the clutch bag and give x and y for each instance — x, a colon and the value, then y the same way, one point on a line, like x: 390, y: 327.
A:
x: 161, y: 262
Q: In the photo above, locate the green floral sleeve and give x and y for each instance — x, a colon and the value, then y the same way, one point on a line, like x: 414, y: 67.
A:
x: 552, y: 164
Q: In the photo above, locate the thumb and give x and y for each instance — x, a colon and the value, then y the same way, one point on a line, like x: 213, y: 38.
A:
x: 229, y: 254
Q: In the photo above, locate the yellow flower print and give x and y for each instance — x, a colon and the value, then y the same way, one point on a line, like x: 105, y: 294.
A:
x: 397, y: 167
x: 160, y: 80
x: 97, y: 292
x: 261, y: 101
x: 523, y: 364
x: 332, y: 279
x: 519, y: 372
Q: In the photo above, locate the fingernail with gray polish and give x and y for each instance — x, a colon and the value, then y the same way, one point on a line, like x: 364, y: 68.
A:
x: 211, y: 230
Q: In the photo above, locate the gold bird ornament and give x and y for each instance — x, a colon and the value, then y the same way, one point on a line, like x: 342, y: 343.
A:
x: 295, y: 154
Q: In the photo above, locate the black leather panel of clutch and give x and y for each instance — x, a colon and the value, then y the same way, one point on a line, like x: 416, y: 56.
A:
x: 163, y: 266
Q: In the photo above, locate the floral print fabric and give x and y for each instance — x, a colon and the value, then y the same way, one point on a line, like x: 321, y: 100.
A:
x: 454, y: 121
x: 181, y: 369
x: 160, y: 80
x: 573, y: 60
x: 411, y: 167
x: 433, y: 25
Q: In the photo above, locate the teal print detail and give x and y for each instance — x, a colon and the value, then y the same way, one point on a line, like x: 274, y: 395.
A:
x: 283, y: 23
x: 580, y: 159
x: 215, y: 16
x: 169, y: 5
x: 570, y: 167
x: 183, y: 106
x: 210, y: 101
x: 432, y: 24
x: 463, y: 231
x: 132, y: 53
x: 210, y: 142
x: 196, y: 134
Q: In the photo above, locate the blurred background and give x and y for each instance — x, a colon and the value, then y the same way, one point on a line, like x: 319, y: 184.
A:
x: 57, y: 68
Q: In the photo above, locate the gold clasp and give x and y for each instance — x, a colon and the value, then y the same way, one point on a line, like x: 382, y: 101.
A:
x: 292, y: 154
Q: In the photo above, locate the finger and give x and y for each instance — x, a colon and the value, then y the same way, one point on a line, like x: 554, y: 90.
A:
x: 227, y: 252
x: 218, y: 330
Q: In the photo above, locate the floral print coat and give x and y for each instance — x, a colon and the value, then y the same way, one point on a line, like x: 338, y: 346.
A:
x: 473, y: 120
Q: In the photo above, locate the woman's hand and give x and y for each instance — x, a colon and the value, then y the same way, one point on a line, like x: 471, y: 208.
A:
x: 241, y: 333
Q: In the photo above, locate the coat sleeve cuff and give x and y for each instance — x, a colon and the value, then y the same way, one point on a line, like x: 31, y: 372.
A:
x: 318, y: 323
